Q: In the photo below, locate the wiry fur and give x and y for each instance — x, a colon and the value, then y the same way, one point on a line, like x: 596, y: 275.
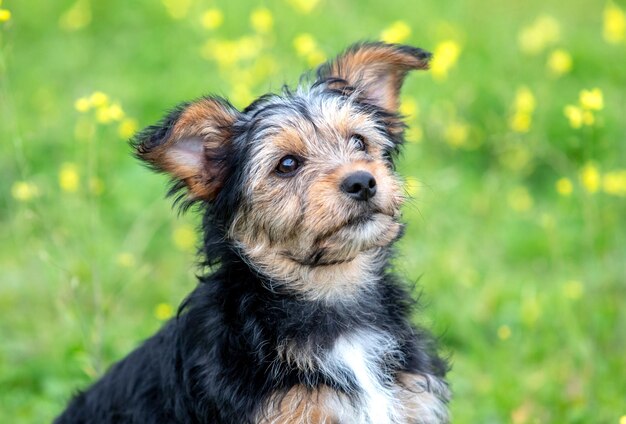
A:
x: 298, y: 318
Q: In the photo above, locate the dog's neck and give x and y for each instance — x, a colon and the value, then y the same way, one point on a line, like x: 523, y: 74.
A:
x: 332, y: 282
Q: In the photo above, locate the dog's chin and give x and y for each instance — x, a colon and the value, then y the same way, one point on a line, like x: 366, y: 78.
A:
x: 360, y: 235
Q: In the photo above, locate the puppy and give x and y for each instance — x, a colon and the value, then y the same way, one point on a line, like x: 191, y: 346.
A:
x: 297, y: 317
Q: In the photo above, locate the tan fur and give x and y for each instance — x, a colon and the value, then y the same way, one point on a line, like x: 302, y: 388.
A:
x: 304, y: 232
x: 290, y: 141
x: 377, y: 70
x: 296, y: 356
x: 294, y: 217
x: 301, y: 406
x: 205, y: 127
x: 423, y: 398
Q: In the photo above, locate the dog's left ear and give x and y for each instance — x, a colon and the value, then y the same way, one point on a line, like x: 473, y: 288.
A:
x: 376, y: 70
x: 191, y: 144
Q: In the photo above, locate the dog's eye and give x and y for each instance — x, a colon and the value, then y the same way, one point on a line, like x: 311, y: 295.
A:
x: 288, y: 165
x: 358, y: 142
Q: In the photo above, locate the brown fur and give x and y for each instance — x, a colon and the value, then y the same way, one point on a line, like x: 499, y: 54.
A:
x: 301, y: 187
x: 198, y: 136
x: 303, y: 231
x: 418, y: 394
x: 302, y: 406
x: 377, y: 70
x: 297, y: 217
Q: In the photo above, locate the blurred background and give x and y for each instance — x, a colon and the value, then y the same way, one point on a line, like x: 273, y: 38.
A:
x: 515, y: 158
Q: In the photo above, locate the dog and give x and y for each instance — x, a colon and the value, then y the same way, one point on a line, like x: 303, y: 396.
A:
x: 297, y: 317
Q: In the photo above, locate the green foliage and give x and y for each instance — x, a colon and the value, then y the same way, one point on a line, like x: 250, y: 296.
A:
x: 515, y: 160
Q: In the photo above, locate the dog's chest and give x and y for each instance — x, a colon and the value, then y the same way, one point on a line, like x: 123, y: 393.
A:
x: 362, y: 362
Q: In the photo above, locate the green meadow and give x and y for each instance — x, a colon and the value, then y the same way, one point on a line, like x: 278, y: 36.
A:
x: 515, y: 161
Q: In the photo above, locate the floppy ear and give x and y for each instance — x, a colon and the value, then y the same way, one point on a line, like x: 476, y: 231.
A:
x: 375, y: 70
x: 191, y: 145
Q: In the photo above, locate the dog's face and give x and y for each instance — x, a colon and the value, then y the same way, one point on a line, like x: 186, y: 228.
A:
x: 317, y: 200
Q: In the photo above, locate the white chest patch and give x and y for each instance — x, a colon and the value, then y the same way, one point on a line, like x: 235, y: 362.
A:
x: 360, y: 357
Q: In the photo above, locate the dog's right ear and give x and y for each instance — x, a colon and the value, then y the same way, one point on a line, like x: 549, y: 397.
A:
x: 191, y: 144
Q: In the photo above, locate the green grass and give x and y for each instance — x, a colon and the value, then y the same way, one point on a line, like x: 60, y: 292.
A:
x: 526, y: 287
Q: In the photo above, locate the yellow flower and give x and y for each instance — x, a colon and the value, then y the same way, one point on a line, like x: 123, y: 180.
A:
x: 76, y: 17
x: 304, y: 44
x: 5, y: 15
x: 614, y: 183
x: 614, y: 30
x: 163, y: 311
x: 228, y: 53
x: 262, y: 68
x: 127, y: 128
x: 575, y: 116
x: 579, y: 116
x: 125, y: 260
x: 590, y: 178
x: 212, y: 19
x: 98, y: 99
x: 622, y: 419
x: 222, y: 51
x: 412, y: 186
x: 103, y: 115
x: 82, y: 104
x: 397, y: 32
x: 444, y: 58
x: 184, y: 237
x: 564, y: 186
x: 108, y: 113
x: 591, y: 99
x: 456, y: 134
x: 24, y: 191
x: 588, y: 118
x: 69, y: 177
x: 542, y: 33
x: 303, y: 6
x: 262, y: 20
x: 524, y: 100
x: 248, y: 47
x: 523, y: 105
x: 573, y: 290
x: 559, y: 62
x: 521, y: 122
x: 504, y: 332
x: 241, y: 96
x: 520, y: 199
x: 306, y: 47
x: 409, y: 108
x: 177, y: 9
x: 315, y: 58
x: 116, y: 112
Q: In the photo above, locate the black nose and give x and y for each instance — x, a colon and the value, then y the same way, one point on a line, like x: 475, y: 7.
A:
x: 359, y: 185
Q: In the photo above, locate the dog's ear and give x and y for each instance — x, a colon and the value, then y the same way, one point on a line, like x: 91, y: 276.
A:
x: 375, y: 70
x: 191, y: 144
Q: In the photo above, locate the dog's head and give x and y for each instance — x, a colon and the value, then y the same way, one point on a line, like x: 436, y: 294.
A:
x: 301, y: 184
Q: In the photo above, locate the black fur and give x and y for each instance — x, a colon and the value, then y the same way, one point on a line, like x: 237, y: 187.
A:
x: 217, y: 361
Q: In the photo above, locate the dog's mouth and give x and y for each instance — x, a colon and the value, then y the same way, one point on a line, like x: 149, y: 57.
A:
x: 361, y: 219
x: 346, y: 241
x: 354, y: 222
